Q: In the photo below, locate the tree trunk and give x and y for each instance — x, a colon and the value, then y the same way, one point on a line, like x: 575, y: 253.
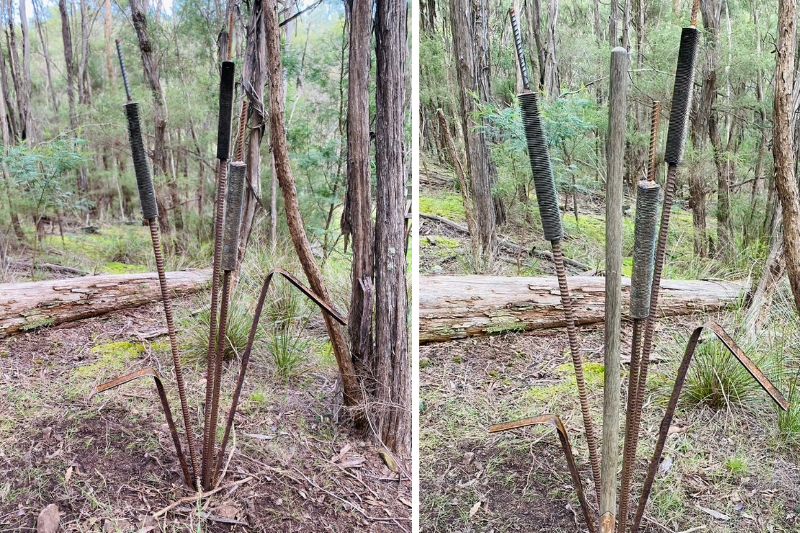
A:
x: 393, y: 366
x: 283, y: 170
x: 255, y: 75
x: 466, y: 19
x: 47, y: 61
x: 783, y: 149
x: 26, y: 73
x: 69, y: 60
x: 357, y: 214
x: 30, y: 305
x: 108, y: 25
x: 455, y: 307
x: 5, y: 138
x: 85, y: 83
x: 774, y: 271
x: 151, y: 74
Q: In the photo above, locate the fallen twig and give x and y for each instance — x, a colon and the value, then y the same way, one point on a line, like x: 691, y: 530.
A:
x: 199, y: 496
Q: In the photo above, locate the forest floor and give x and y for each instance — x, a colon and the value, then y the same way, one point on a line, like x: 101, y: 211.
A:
x: 725, y: 470
x: 107, y: 460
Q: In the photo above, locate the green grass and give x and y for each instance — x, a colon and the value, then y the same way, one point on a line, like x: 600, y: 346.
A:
x: 114, y: 357
x: 447, y: 205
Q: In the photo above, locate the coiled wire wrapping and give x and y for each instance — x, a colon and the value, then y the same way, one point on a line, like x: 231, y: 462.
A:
x: 144, y: 182
x: 648, y: 198
x: 543, y: 178
x: 233, y: 216
x: 681, y: 96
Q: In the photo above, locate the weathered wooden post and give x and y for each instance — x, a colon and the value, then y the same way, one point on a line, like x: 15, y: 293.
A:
x: 615, y: 159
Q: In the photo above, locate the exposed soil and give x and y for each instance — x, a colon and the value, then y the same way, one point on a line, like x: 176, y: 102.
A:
x: 108, y: 462
x: 518, y: 481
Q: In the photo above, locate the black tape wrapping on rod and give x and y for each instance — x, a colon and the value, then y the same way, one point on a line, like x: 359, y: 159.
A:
x: 233, y: 215
x: 543, y: 178
x: 225, y: 109
x: 144, y: 182
x: 681, y: 96
x: 648, y: 199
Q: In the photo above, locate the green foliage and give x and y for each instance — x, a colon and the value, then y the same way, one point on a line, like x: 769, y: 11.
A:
x: 42, y: 180
x: 717, y: 379
x: 195, y: 330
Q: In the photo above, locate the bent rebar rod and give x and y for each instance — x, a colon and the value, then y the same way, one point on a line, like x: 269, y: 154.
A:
x: 149, y: 372
x: 669, y: 414
x: 547, y: 199
x: 252, y: 337
x: 147, y: 197
x: 563, y: 436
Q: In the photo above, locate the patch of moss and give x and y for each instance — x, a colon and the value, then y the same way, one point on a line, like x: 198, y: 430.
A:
x: 594, y: 372
x: 447, y: 205
x: 38, y: 324
x: 115, y: 267
x: 439, y: 242
x: 326, y: 355
x: 114, y: 356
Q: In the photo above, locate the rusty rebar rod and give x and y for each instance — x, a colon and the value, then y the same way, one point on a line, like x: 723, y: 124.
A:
x: 324, y: 307
x: 223, y: 149
x: 646, y: 222
x: 149, y: 206
x: 566, y: 447
x: 228, y: 263
x: 162, y: 395
x: 669, y: 413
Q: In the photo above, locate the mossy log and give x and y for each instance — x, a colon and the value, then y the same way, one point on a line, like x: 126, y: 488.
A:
x: 31, y: 305
x: 456, y: 307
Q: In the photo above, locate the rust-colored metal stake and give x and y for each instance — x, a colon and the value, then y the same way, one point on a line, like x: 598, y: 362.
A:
x: 222, y: 181
x: 563, y: 437
x: 149, y: 207
x: 324, y: 307
x: 669, y: 414
x: 223, y: 151
x: 162, y: 395
x: 628, y: 462
x: 577, y: 362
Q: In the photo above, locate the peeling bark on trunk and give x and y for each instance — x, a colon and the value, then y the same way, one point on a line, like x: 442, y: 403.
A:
x: 392, y: 363
x: 783, y: 148
x: 352, y: 392
x: 254, y: 78
x: 472, y: 70
x: 357, y: 214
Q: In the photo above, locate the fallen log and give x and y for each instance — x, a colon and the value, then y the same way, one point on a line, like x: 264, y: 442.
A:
x: 31, y: 305
x: 455, y: 307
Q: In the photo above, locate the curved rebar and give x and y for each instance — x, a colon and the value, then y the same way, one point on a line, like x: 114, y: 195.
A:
x: 324, y: 306
x: 149, y: 372
x: 563, y: 436
x: 669, y: 414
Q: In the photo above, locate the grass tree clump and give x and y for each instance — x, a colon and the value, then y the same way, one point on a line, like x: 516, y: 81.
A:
x: 718, y: 381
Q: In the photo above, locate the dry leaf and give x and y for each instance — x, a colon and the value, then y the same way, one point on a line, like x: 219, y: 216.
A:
x: 68, y: 475
x: 474, y: 508
x: 715, y: 514
x: 48, y: 519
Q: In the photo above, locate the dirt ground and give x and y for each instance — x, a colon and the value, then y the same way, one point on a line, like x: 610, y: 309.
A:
x: 108, y: 463
x: 722, y: 471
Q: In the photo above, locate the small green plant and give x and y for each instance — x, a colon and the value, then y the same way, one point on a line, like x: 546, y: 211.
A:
x: 736, y: 465
x: 289, y: 349
x: 196, y: 329
x: 717, y: 380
